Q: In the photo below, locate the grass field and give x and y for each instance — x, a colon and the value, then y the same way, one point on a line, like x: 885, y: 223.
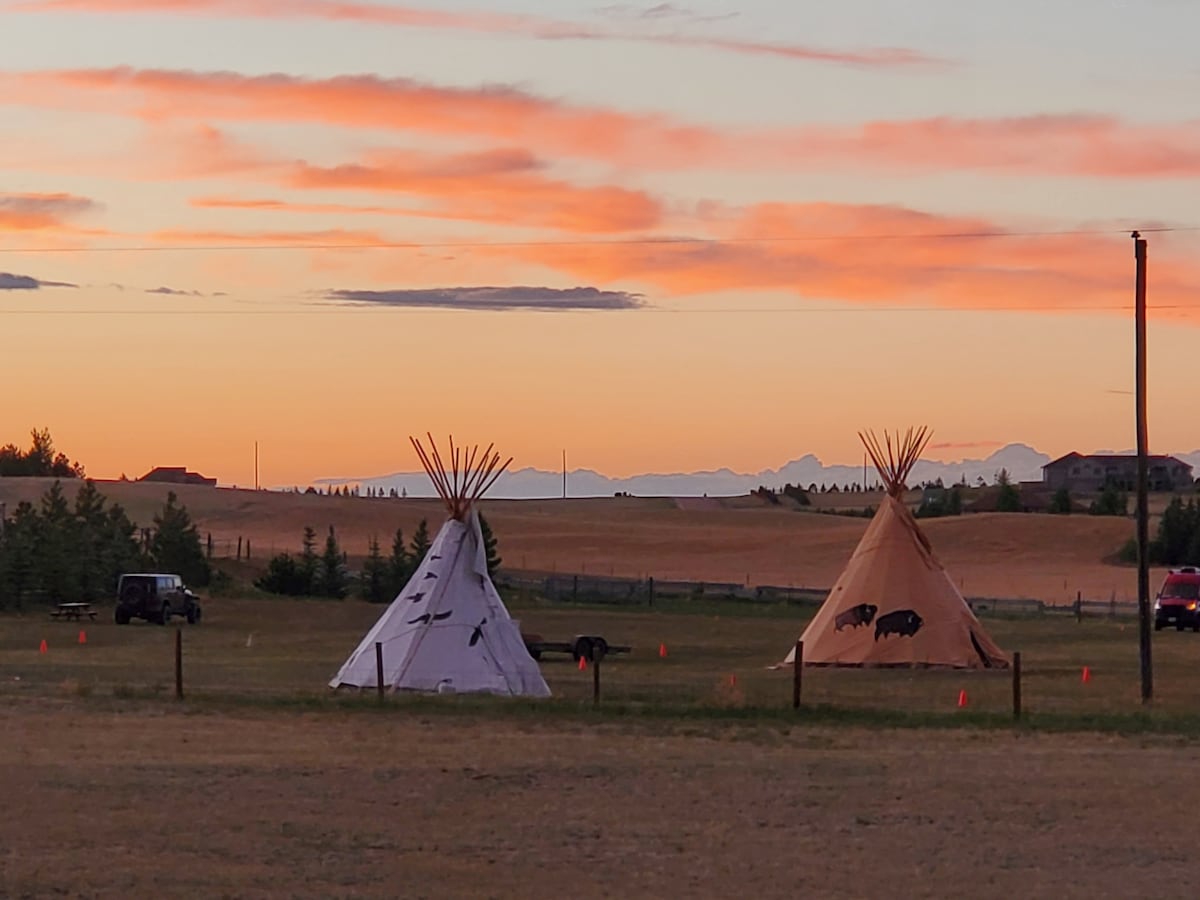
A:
x: 718, y: 654
x: 260, y: 784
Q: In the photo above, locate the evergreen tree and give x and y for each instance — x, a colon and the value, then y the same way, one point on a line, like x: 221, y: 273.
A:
x: 309, y: 562
x: 58, y: 539
x: 420, y: 543
x: 1112, y: 502
x: 18, y: 557
x: 283, y: 576
x: 489, y: 547
x: 399, y: 564
x: 176, y: 546
x: 333, y: 572
x: 1009, y: 498
x: 89, y: 557
x: 1060, y: 503
x: 374, y: 582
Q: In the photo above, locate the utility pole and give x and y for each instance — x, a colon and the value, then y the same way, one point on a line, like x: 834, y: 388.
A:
x: 256, y: 465
x: 1143, y: 513
x: 564, y: 474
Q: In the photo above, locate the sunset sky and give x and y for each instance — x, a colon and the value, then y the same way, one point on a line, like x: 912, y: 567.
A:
x: 663, y: 236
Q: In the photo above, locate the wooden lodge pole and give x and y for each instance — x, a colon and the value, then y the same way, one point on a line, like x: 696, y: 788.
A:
x: 1143, y: 514
x: 379, y: 669
x: 178, y: 663
x: 1016, y: 678
x: 797, y: 674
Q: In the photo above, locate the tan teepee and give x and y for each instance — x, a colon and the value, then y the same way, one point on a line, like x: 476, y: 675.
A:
x: 894, y: 604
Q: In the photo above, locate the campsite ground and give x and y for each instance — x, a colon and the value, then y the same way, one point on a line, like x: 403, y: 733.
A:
x: 693, y: 778
x: 138, y: 800
x: 262, y: 784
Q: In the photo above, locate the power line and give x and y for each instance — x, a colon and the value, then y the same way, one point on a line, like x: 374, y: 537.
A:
x: 312, y: 310
x: 612, y: 242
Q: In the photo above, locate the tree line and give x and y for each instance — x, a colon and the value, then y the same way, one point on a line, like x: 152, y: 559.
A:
x: 326, y: 574
x: 40, y: 460
x: 57, y: 551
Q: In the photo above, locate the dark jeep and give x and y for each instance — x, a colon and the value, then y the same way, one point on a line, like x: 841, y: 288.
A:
x: 155, y: 598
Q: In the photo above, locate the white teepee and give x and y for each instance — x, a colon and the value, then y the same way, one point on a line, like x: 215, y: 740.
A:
x: 448, y: 630
x: 894, y: 604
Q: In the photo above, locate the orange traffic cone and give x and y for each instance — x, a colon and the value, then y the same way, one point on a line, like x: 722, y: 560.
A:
x: 662, y: 651
x: 42, y: 648
x: 962, y: 699
x: 1087, y: 675
x: 582, y: 664
x: 82, y: 636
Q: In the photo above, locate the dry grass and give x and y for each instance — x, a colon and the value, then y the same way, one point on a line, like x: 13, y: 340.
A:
x: 684, y: 784
x: 717, y: 656
x: 157, y: 802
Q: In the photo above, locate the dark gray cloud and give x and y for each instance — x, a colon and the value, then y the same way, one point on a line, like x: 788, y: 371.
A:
x: 11, y: 282
x: 47, y: 204
x: 499, y: 298
x: 661, y: 11
x: 173, y: 292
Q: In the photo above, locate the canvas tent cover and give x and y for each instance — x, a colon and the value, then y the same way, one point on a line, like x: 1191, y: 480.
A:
x: 895, y: 605
x: 448, y: 629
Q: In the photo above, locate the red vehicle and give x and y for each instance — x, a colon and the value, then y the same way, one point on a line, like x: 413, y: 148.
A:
x: 1178, y: 600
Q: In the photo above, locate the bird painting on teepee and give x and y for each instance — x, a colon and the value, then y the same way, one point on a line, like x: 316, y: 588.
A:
x: 894, y: 604
x: 448, y: 630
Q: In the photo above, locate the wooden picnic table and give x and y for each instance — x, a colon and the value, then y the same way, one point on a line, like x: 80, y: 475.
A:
x: 75, y: 611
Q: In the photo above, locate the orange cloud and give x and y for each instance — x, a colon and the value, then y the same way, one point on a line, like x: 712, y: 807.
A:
x: 870, y: 256
x: 1069, y: 145
x: 497, y: 187
x: 784, y: 247
x: 334, y: 238
x: 490, y: 23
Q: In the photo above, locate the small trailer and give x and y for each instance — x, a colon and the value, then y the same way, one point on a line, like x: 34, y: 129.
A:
x: 591, y: 647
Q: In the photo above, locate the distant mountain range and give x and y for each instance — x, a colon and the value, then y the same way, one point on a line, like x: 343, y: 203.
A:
x: 1023, y: 463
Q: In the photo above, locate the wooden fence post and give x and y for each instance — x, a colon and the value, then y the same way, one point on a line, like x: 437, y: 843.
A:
x: 1078, y: 607
x: 239, y: 549
x: 797, y: 669
x: 379, y: 669
x: 1016, y: 679
x: 247, y: 548
x: 178, y: 663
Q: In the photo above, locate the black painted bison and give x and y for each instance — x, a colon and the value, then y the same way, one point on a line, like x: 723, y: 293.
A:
x: 903, y: 622
x: 863, y: 614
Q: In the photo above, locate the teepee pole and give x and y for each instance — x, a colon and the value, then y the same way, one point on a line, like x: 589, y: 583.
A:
x: 431, y: 471
x: 500, y: 471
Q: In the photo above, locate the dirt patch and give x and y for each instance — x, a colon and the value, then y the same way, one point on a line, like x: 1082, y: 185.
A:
x: 272, y: 804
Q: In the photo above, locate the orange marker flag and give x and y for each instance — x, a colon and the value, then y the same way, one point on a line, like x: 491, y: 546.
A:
x: 42, y: 648
x: 662, y: 651
x: 82, y: 637
x: 582, y: 664
x: 962, y: 699
x: 1087, y: 675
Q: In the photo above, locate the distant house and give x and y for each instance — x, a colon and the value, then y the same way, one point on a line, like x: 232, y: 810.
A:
x: 1077, y: 472
x: 177, y: 475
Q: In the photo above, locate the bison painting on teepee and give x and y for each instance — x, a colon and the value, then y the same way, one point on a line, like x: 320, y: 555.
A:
x: 448, y: 630
x: 894, y: 604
